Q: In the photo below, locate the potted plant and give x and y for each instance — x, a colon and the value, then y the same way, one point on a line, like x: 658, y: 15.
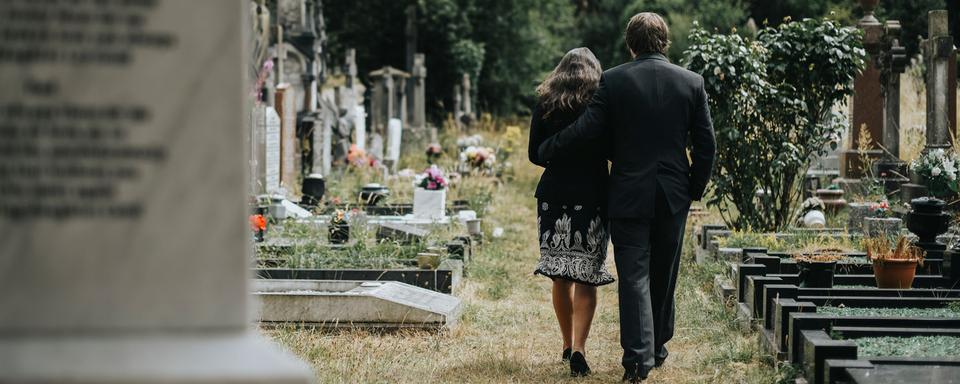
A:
x: 430, y: 195
x: 339, y: 228
x: 434, y: 151
x: 811, y: 213
x: 893, y: 267
x: 938, y: 170
x: 817, y: 268
x: 881, y: 222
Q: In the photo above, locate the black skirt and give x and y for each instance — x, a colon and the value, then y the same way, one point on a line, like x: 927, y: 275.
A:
x: 573, y: 242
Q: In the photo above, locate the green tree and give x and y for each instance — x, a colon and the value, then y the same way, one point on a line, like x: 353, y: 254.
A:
x: 771, y: 101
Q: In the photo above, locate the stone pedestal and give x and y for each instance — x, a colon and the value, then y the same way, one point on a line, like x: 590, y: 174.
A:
x: 136, y: 271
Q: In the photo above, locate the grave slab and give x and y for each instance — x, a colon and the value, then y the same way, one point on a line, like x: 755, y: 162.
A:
x: 365, y: 304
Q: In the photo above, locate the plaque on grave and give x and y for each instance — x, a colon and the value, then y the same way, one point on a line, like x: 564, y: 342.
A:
x: 123, y: 198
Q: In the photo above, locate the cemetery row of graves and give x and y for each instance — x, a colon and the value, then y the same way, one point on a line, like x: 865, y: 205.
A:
x: 854, y: 280
x: 865, y: 285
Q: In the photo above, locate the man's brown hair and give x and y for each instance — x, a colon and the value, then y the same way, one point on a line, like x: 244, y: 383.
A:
x: 647, y: 33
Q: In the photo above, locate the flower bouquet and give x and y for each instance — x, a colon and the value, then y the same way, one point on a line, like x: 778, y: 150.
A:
x: 429, y: 199
x: 479, y: 158
x: 258, y: 224
x: 938, y: 169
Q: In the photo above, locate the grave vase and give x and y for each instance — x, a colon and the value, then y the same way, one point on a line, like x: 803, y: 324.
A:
x: 429, y: 204
x: 814, y: 219
x: 339, y: 233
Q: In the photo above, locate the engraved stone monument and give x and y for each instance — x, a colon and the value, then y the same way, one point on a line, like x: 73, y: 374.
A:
x: 123, y: 196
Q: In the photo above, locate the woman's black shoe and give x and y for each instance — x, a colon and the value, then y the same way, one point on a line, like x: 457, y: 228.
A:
x: 578, y: 365
x: 566, y: 354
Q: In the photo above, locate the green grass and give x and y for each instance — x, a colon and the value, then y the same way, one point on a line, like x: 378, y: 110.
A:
x: 508, y: 333
x: 918, y: 346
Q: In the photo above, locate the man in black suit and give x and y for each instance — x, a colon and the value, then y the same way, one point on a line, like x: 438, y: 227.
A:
x: 650, y: 111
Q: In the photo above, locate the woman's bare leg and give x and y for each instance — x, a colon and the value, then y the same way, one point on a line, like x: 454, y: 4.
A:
x: 584, y: 305
x: 563, y: 306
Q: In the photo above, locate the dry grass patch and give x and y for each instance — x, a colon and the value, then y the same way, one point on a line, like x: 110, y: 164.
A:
x: 508, y: 334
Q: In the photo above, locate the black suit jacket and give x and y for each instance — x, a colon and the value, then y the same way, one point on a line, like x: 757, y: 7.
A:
x: 652, y: 111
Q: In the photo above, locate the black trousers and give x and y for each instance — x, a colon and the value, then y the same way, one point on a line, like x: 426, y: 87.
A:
x: 647, y: 254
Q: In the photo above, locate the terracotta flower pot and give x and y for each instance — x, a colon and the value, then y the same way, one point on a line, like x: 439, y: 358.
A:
x: 897, y: 274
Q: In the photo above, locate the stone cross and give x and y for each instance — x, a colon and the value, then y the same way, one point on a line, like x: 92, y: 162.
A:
x: 418, y: 110
x: 126, y: 247
x: 938, y: 49
x: 892, y: 62
x: 389, y: 97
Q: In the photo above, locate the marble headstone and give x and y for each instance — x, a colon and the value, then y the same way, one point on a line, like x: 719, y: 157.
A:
x: 123, y: 195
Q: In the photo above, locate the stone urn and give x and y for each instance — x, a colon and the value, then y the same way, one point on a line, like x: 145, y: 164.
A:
x: 373, y: 193
x: 927, y: 220
x: 832, y: 199
x: 856, y: 213
x: 814, y: 219
x: 882, y: 226
x: 313, y: 188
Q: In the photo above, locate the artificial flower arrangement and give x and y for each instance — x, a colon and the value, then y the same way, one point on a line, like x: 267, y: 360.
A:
x: 357, y: 157
x: 430, y: 196
x: 339, y: 229
x: 481, y: 158
x: 432, y: 179
x: 938, y: 168
x: 258, y: 224
x: 434, y: 151
x: 881, y: 209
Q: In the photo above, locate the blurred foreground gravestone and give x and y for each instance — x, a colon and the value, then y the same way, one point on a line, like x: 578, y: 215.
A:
x: 123, y: 196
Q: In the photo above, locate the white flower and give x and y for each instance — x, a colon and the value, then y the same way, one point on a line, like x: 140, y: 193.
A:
x: 935, y: 171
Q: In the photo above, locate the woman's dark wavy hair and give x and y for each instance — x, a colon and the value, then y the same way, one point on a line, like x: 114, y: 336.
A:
x: 572, y: 83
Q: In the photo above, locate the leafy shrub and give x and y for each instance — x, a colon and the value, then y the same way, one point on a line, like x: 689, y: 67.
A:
x: 772, y: 100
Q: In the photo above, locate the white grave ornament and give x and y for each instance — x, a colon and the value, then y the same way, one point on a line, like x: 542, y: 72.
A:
x: 126, y: 248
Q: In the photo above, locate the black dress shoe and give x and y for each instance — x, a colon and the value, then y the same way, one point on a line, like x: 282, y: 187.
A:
x: 633, y: 375
x: 660, y: 357
x: 578, y: 365
x: 566, y: 354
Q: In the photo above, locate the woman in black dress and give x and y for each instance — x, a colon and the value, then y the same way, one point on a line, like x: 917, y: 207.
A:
x: 571, y: 204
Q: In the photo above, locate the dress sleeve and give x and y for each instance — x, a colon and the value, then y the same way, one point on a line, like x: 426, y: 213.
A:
x: 537, y: 135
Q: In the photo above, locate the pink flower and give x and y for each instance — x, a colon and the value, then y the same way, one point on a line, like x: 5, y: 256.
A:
x: 431, y: 185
